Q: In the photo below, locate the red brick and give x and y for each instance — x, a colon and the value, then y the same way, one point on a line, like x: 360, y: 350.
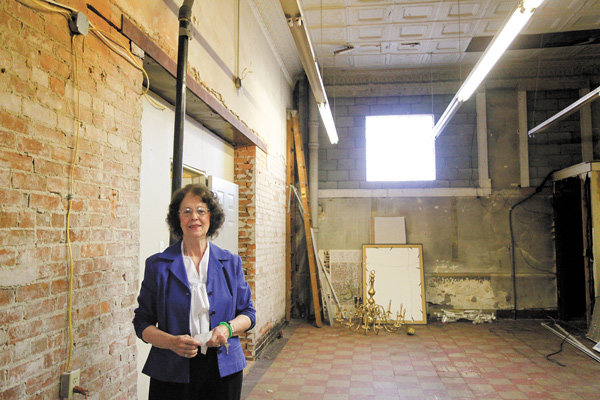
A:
x: 40, y: 113
x: 17, y: 237
x: 32, y: 292
x: 59, y: 286
x: 7, y: 259
x: 41, y: 307
x: 54, y: 322
x: 46, y: 202
x: 12, y: 123
x: 8, y: 159
x: 58, y: 31
x: 92, y: 250
x: 26, y: 219
x: 49, y: 235
x: 57, y: 86
x: 24, y: 331
x: 8, y: 219
x: 10, y: 316
x: 12, y: 393
x: 9, y: 24
x: 29, y: 181
x: 44, y: 380
x: 25, y: 14
x: 58, y: 67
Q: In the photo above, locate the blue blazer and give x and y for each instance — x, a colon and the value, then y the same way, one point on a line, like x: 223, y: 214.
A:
x: 165, y: 301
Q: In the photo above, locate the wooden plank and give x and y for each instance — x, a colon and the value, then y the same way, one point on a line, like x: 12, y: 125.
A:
x: 289, y: 221
x: 301, y: 167
x: 523, y: 139
x: 587, y: 251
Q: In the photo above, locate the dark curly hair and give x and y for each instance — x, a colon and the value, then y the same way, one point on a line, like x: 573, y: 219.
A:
x: 217, y: 216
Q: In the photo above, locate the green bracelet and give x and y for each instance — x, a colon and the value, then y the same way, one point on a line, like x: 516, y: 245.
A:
x: 228, y: 328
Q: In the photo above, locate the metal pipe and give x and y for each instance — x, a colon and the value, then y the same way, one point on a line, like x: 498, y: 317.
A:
x: 567, y: 337
x: 185, y: 14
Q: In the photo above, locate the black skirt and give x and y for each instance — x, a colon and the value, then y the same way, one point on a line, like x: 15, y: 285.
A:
x: 205, y: 382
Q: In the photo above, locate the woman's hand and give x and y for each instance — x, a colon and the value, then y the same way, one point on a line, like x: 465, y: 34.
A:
x: 219, y: 337
x: 185, y: 346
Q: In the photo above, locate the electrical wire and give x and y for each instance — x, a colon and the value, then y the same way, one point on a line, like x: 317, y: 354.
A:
x: 70, y: 203
x: 124, y: 52
x: 560, y: 348
x: 108, y: 39
x: 538, y: 189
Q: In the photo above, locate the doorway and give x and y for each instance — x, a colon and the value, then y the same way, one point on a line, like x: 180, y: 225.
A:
x: 569, y: 242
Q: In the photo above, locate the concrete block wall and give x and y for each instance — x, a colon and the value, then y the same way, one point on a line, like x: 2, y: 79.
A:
x: 343, y: 166
x: 466, y: 239
x: 39, y: 100
x: 261, y: 179
x: 560, y: 145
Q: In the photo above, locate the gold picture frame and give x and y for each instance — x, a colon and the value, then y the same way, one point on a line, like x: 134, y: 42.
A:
x: 399, y: 279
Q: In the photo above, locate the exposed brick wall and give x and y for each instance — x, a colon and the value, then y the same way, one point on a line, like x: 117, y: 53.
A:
x: 38, y: 101
x: 245, y: 178
x: 343, y: 166
x: 261, y: 179
x: 560, y: 145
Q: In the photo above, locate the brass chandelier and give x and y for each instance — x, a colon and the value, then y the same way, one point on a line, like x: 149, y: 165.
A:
x: 371, y: 316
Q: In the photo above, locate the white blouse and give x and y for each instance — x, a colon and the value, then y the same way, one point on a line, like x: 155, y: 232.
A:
x: 199, y: 319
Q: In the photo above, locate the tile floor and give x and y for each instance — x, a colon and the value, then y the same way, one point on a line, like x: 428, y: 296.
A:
x: 505, y: 359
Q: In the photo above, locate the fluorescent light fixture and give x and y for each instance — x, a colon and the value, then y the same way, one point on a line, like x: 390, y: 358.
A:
x: 327, y: 119
x: 565, y: 112
x: 509, y: 30
x: 446, y: 117
x: 293, y: 14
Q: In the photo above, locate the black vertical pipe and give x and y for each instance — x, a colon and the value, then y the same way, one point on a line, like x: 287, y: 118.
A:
x: 185, y: 14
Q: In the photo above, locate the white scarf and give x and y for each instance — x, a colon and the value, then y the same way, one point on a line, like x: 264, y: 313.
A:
x: 199, y: 319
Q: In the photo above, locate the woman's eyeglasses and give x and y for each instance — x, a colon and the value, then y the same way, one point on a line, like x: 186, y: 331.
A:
x: 189, y: 211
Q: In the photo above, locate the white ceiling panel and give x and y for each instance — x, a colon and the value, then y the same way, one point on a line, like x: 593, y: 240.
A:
x: 369, y: 15
x: 583, y: 22
x: 368, y: 2
x: 449, y: 45
x: 318, y: 4
x: 413, y: 31
x: 405, y: 59
x: 442, y: 59
x: 500, y: 9
x: 413, y: 13
x: 452, y: 29
x: 463, y: 10
x: 369, y: 61
x: 367, y: 48
x: 397, y: 33
x: 330, y: 17
x: 329, y: 36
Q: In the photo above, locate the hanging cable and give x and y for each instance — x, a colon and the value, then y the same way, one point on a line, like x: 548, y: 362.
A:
x: 70, y: 204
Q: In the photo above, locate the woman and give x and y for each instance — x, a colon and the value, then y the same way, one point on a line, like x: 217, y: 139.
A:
x: 194, y: 300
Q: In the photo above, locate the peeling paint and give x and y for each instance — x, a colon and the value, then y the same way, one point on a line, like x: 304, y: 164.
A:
x: 465, y: 293
x: 445, y: 266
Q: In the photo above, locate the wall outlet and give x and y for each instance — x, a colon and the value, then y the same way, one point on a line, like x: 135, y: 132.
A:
x: 68, y: 380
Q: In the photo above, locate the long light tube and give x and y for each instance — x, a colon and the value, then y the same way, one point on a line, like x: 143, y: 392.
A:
x: 509, y: 30
x: 328, y: 122
x: 293, y: 14
x: 498, y: 46
x: 565, y: 112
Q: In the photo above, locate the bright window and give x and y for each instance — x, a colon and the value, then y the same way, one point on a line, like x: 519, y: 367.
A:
x: 400, y: 148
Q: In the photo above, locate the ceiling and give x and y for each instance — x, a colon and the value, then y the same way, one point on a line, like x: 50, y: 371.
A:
x: 422, y: 34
